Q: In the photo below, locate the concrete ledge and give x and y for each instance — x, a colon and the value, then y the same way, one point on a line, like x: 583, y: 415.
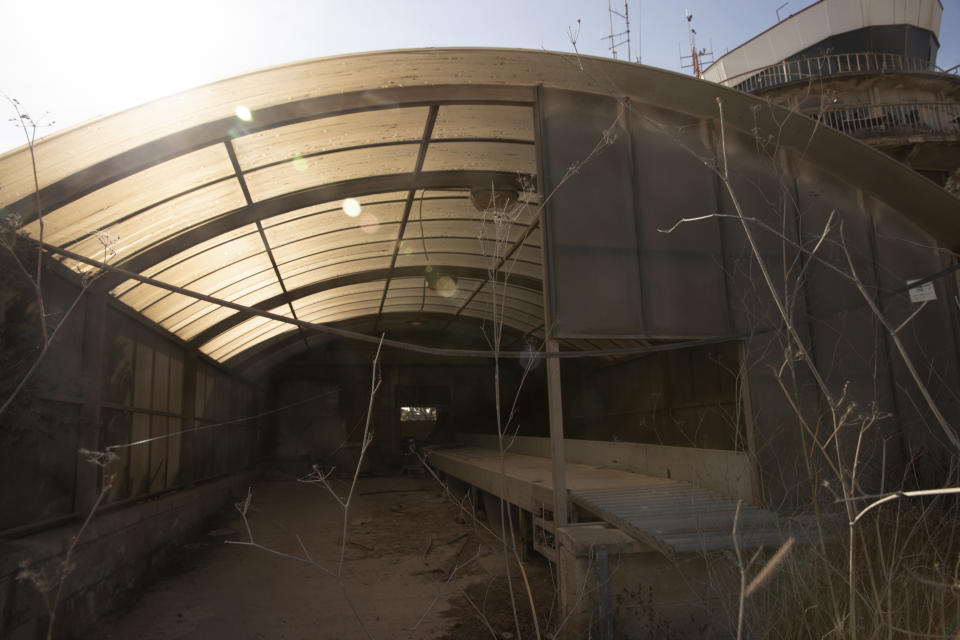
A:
x: 117, y: 551
x: 725, y: 472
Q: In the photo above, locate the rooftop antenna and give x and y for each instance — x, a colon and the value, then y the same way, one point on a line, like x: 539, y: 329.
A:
x: 623, y: 35
x: 698, y: 57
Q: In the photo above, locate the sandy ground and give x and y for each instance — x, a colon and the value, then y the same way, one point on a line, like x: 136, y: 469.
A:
x: 405, y: 539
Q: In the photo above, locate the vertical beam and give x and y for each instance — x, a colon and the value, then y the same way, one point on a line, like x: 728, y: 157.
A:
x: 555, y: 402
x: 554, y: 396
x: 87, y: 476
x: 746, y: 406
x: 603, y: 594
x: 188, y: 443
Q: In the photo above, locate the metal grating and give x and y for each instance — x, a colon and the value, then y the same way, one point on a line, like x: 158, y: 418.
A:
x: 678, y: 518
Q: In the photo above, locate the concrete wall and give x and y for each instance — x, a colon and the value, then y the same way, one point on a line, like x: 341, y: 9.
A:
x: 464, y: 388
x: 108, y: 379
x: 117, y: 552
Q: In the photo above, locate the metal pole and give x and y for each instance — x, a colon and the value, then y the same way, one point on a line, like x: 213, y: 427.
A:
x: 558, y: 458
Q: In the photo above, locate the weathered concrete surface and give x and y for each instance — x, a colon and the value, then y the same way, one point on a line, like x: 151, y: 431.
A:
x: 118, y: 549
x: 408, y: 563
x: 726, y: 472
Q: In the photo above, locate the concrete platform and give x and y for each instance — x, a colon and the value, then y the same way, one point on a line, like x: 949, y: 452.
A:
x: 670, y: 516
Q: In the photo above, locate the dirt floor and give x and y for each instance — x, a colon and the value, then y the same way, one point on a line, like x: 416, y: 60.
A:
x: 413, y: 567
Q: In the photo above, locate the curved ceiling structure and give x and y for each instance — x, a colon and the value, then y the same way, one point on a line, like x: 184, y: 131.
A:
x: 328, y: 191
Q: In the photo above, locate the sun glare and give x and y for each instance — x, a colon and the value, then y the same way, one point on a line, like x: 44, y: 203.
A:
x: 351, y: 207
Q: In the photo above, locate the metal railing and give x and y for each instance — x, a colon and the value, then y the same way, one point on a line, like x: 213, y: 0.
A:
x: 830, y: 65
x: 883, y: 120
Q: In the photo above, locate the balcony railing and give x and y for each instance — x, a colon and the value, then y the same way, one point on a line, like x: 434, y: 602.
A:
x: 831, y: 65
x: 892, y: 120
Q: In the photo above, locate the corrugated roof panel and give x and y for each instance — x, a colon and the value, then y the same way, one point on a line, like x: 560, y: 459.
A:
x: 484, y: 121
x: 243, y: 332
x: 370, y: 298
x: 298, y: 255
x: 249, y: 291
x: 205, y: 281
x: 278, y: 328
x: 334, y: 315
x: 487, y: 252
x: 190, y: 321
x: 158, y: 223
x: 304, y: 173
x: 468, y: 229
x: 295, y: 241
x: 473, y: 260
x: 442, y: 295
x: 485, y: 300
x: 328, y: 134
x: 339, y: 261
x: 308, y: 273
x: 481, y: 156
x: 334, y: 207
x: 508, y: 318
x: 104, y: 207
x: 439, y: 207
x: 364, y: 290
x: 220, y: 243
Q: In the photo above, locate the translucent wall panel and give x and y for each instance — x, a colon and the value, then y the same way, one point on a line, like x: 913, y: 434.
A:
x: 105, y: 206
x: 481, y: 156
x: 333, y: 167
x: 328, y: 134
x: 484, y: 121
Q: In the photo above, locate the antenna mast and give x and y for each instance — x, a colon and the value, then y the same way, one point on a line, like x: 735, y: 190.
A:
x: 624, y: 35
x: 698, y: 58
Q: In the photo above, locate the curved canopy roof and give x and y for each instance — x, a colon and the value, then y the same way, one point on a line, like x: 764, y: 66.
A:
x: 327, y: 190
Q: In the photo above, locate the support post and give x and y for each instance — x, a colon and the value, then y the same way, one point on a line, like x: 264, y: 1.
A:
x: 555, y: 400
x: 188, y: 443
x: 88, y: 474
x: 554, y: 397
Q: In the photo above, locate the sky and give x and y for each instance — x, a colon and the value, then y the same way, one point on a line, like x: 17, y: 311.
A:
x: 69, y: 61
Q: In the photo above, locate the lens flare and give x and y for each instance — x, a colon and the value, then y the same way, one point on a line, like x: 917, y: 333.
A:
x: 446, y: 286
x: 530, y: 358
x: 299, y: 163
x: 243, y: 113
x: 369, y: 223
x: 351, y: 207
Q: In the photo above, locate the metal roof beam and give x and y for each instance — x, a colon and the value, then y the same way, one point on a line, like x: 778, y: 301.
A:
x: 232, y: 153
x: 298, y: 200
x: 421, y: 157
x: 354, y: 278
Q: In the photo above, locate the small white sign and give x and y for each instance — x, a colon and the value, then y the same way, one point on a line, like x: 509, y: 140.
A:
x: 923, y: 293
